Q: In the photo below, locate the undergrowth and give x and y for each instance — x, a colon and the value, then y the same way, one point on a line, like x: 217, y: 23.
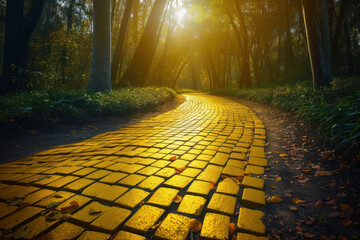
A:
x: 78, y: 103
x: 334, y: 110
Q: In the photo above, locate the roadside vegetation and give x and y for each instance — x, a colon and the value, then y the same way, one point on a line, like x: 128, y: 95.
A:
x: 79, y: 104
x: 335, y: 110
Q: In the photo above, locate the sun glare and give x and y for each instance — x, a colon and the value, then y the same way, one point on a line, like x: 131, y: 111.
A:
x: 180, y: 15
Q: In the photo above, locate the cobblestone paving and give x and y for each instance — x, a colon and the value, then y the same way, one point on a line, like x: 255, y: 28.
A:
x: 124, y: 184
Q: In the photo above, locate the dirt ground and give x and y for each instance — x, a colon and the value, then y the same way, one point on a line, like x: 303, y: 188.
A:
x: 320, y: 194
x: 27, y: 141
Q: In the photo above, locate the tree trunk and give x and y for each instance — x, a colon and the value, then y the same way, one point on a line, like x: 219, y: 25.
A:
x: 246, y: 78
x: 289, y: 55
x: 336, y: 36
x: 316, y: 40
x: 349, y: 55
x: 139, y: 66
x: 64, y: 51
x: 100, y: 72
x: 18, y: 30
x: 120, y: 43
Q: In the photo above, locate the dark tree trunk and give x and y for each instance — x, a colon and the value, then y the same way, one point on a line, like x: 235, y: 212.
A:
x: 349, y: 55
x: 64, y: 51
x: 117, y: 54
x: 18, y: 30
x: 289, y: 55
x: 139, y: 66
x: 100, y: 72
x: 336, y: 36
x: 246, y: 78
x: 317, y: 41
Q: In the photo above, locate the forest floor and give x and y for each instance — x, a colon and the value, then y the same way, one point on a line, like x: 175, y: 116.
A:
x: 320, y: 193
x: 20, y: 143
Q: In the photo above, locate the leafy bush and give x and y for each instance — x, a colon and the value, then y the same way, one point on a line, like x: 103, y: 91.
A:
x: 335, y: 110
x: 75, y: 104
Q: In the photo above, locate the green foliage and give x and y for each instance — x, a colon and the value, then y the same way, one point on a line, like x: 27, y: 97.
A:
x: 335, y: 110
x: 79, y: 103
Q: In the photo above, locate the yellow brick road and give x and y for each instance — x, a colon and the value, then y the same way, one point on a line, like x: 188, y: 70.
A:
x: 209, y: 150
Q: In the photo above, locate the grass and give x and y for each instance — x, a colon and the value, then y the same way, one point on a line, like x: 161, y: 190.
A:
x: 335, y: 110
x: 79, y: 104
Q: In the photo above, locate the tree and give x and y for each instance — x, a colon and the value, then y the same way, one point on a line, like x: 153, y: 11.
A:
x: 100, y: 72
x: 18, y: 31
x: 139, y: 66
x: 318, y: 40
x: 120, y: 41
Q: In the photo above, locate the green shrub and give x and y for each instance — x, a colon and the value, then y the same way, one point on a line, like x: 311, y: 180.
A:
x: 75, y: 104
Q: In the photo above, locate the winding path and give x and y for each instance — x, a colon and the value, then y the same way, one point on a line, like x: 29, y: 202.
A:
x: 127, y: 183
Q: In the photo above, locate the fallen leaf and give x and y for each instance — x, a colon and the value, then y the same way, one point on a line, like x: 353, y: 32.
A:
x: 309, y: 235
x: 54, y: 215
x: 331, y: 202
x: 68, y: 209
x: 293, y: 208
x: 275, y: 199
x: 212, y: 185
x: 346, y: 222
x: 304, y: 180
x: 177, y: 199
x: 271, y: 186
x: 172, y: 158
x: 94, y: 211
x: 195, y: 225
x: 319, y: 204
x: 278, y: 179
x: 284, y: 155
x: 232, y: 228
x: 306, y: 171
x: 52, y: 205
x: 309, y: 221
x: 344, y: 206
x: 179, y: 170
x: 296, y: 200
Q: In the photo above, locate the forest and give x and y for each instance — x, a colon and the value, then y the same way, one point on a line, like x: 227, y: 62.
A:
x: 195, y: 44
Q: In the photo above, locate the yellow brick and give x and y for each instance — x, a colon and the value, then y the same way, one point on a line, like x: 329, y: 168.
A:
x: 232, y: 171
x: 257, y: 152
x: 111, y: 219
x: 174, y: 227
x: 122, y: 235
x: 253, y: 198
x: 64, y: 231
x: 221, y: 203
x: 91, y: 235
x: 191, y: 204
x: 151, y: 182
x: 178, y: 182
x: 163, y: 197
x: 228, y: 186
x: 215, y: 226
x: 252, y: 182
x: 143, y: 219
x: 250, y: 221
x: 262, y: 162
x: 132, y: 198
x: 200, y: 188
x: 252, y: 169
